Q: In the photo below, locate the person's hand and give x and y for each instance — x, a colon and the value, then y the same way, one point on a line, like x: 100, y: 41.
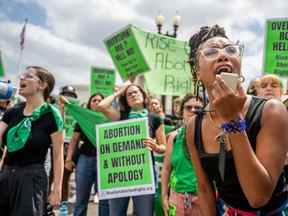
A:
x: 121, y: 89
x: 150, y: 144
x: 228, y: 104
x: 61, y: 102
x: 69, y: 165
x: 55, y: 198
x: 165, y: 205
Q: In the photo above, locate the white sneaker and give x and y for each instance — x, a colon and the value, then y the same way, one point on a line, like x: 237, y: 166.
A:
x: 96, y: 198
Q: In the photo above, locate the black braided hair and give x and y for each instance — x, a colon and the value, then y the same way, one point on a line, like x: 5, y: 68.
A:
x: 205, y: 33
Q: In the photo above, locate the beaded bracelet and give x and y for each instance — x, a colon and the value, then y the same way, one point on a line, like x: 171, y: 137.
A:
x: 234, y: 126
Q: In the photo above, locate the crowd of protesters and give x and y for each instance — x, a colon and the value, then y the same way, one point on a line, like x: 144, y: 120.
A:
x: 225, y: 150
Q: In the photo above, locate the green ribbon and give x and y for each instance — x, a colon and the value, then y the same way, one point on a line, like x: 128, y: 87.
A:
x: 18, y: 135
x: 138, y: 114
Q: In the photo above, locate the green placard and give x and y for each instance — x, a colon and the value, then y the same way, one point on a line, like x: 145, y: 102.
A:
x: 276, y: 47
x: 123, y: 161
x: 102, y: 80
x: 170, y: 73
x: 125, y: 53
x: 1, y: 66
x: 165, y: 58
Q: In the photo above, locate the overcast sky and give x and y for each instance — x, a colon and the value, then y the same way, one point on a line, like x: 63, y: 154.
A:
x: 66, y: 36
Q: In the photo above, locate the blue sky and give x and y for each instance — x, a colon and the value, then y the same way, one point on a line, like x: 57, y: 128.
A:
x: 18, y: 11
x: 67, y: 36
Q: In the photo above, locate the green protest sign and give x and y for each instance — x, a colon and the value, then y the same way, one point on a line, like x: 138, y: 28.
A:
x: 165, y: 58
x: 1, y: 66
x: 125, y: 53
x: 124, y: 164
x: 170, y: 73
x: 276, y: 47
x: 102, y: 81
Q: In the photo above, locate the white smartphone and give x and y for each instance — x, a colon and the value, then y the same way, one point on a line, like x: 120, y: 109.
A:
x: 230, y: 79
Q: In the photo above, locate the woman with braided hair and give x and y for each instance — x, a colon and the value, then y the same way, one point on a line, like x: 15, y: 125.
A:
x: 236, y: 144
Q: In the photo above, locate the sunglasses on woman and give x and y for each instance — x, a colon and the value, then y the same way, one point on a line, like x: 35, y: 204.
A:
x: 191, y: 108
x: 213, y: 52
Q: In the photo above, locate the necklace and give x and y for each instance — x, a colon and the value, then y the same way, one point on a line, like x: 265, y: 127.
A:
x: 212, y: 121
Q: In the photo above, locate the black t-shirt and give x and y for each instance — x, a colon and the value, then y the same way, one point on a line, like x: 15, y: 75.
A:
x: 35, y: 149
x: 86, y: 146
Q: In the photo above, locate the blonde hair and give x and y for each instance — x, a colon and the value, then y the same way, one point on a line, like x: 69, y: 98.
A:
x: 270, y: 78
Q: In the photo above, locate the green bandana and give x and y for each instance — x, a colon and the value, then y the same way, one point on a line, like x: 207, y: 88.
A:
x: 18, y: 135
x: 138, y: 114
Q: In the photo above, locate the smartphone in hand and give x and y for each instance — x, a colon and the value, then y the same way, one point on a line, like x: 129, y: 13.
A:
x: 230, y: 79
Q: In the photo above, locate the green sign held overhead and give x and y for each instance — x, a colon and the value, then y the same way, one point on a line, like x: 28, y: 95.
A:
x: 276, y: 47
x: 125, y: 53
x: 164, y: 58
x: 170, y: 73
x: 124, y: 164
x: 102, y: 81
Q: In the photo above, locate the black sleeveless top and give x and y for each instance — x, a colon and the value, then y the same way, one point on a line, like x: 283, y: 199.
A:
x: 230, y: 190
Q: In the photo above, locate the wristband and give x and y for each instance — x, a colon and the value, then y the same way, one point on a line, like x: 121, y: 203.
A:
x: 235, y: 126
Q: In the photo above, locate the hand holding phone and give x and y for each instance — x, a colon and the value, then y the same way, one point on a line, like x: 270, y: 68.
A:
x: 230, y: 79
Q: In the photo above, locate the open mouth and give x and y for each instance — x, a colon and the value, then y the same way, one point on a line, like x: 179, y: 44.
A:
x: 224, y: 69
x: 22, y: 85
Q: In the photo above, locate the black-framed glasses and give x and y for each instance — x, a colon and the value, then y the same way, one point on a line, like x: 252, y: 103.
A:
x: 213, y: 52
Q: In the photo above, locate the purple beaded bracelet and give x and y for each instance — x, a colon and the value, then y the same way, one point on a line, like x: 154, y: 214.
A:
x: 234, y: 126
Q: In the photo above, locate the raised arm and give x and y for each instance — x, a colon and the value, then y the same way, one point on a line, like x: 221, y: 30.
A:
x: 259, y: 172
x: 205, y: 193
x: 105, y: 106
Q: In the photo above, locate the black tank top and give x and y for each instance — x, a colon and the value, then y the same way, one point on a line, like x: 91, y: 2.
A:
x: 230, y: 190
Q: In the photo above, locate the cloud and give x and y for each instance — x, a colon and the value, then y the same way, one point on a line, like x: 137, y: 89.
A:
x: 69, y: 61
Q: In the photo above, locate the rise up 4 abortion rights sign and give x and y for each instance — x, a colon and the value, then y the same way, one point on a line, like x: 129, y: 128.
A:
x: 276, y: 47
x: 162, y: 59
x: 124, y: 163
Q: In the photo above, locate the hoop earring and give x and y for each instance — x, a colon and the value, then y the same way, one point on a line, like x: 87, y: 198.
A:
x: 200, y: 88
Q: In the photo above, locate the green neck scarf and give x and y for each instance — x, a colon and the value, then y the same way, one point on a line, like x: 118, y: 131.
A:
x: 138, y: 114
x: 18, y: 135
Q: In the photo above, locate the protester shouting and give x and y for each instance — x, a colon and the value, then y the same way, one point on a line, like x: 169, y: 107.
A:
x: 238, y: 144
x: 27, y: 130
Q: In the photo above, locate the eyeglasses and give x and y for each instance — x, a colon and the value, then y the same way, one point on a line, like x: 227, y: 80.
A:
x: 131, y: 93
x: 213, y: 52
x: 191, y: 108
